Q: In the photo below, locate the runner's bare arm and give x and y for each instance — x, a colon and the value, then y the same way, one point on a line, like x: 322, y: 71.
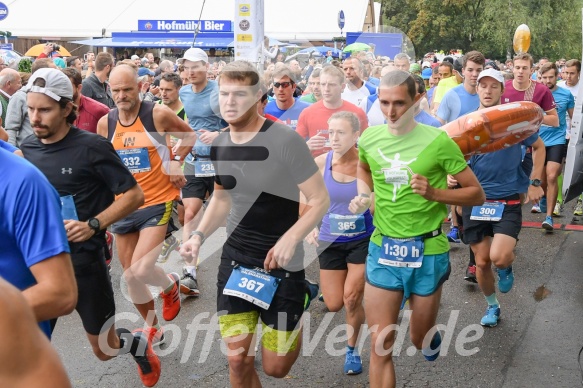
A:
x: 321, y: 163
x: 551, y: 118
x: 471, y: 193
x: 131, y: 200
x: 102, y: 126
x: 317, y: 203
x: 214, y: 216
x: 364, y: 185
x: 538, y: 165
x: 55, y: 293
x: 27, y: 358
x: 166, y: 121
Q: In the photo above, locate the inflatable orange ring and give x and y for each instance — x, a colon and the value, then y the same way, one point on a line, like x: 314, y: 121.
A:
x: 495, y: 128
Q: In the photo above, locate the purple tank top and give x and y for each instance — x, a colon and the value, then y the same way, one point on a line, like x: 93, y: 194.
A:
x: 339, y: 224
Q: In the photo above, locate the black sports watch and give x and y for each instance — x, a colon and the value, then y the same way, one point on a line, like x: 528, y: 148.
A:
x: 94, y: 224
x: 535, y: 182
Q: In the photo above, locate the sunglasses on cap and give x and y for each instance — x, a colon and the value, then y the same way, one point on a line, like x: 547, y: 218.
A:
x: 282, y: 84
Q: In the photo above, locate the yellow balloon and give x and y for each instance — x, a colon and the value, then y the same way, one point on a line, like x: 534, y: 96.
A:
x: 521, y: 40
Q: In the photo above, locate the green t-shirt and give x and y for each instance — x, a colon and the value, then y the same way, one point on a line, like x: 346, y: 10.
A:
x: 309, y: 98
x: 443, y: 87
x: 399, y: 212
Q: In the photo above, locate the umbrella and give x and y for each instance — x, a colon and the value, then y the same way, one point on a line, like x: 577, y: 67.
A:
x: 323, y: 50
x: 356, y: 47
x: 37, y: 49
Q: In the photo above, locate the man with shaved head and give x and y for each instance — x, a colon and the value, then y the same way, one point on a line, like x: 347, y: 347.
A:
x: 10, y: 82
x: 139, y: 131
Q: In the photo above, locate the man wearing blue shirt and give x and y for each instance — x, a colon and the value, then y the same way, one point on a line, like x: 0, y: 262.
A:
x: 285, y: 107
x: 35, y: 253
x: 492, y: 229
x: 555, y: 142
x: 463, y: 99
x: 200, y: 100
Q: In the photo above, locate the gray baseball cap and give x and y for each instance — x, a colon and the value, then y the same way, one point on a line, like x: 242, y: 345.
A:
x: 57, y: 84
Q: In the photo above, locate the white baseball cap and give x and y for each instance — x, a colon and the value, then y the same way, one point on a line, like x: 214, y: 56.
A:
x: 57, y: 84
x: 134, y: 57
x: 194, y: 54
x: 491, y: 73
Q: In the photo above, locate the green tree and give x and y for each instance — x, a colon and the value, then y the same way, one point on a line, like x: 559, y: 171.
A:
x: 488, y: 25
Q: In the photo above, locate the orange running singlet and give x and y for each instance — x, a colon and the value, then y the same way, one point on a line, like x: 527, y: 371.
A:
x: 146, y: 153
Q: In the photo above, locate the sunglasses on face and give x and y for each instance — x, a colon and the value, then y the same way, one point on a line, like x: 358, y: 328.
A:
x: 282, y: 84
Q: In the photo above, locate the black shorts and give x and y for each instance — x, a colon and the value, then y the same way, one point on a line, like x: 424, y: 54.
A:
x: 196, y: 187
x: 95, y: 303
x: 155, y: 215
x: 556, y: 153
x: 288, y: 299
x: 474, y: 231
x: 337, y: 255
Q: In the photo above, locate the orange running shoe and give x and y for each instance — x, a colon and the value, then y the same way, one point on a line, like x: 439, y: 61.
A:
x: 155, y: 336
x: 149, y: 367
x: 171, y: 300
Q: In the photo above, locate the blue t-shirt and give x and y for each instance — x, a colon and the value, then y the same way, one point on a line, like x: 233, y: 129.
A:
x: 430, y: 94
x: 456, y: 103
x: 31, y: 225
x: 556, y: 135
x: 500, y: 173
x: 425, y: 118
x: 288, y: 117
x: 202, y: 111
x: 7, y: 146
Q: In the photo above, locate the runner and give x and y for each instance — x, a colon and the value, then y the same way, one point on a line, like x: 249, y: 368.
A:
x: 27, y: 358
x: 200, y: 100
x: 406, y: 165
x: 35, y: 254
x: 492, y: 228
x: 87, y: 173
x: 261, y: 168
x: 170, y: 84
x: 342, y: 240
x: 522, y: 88
x: 140, y: 131
x: 554, y: 139
x: 285, y: 107
x: 313, y: 121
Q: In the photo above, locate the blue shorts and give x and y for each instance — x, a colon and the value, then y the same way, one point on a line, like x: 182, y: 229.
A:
x: 422, y: 281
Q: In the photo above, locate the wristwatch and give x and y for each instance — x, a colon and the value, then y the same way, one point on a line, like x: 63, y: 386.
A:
x: 535, y: 182
x: 94, y: 224
x: 177, y: 158
x: 199, y: 234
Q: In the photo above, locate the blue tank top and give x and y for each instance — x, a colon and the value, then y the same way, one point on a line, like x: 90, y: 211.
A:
x: 339, y: 224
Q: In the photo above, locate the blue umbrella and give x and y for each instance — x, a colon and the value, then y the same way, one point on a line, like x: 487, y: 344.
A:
x: 322, y: 50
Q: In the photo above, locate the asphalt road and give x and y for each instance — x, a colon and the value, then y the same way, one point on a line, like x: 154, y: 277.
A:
x: 535, y: 344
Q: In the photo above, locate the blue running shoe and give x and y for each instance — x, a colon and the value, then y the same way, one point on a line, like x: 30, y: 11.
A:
x: 352, y: 363
x: 548, y: 224
x: 311, y: 292
x: 505, y: 279
x: 491, y: 317
x: 543, y: 205
x: 454, y: 235
x: 434, y: 348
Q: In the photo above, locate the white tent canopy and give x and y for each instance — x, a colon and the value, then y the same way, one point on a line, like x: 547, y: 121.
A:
x: 67, y: 19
